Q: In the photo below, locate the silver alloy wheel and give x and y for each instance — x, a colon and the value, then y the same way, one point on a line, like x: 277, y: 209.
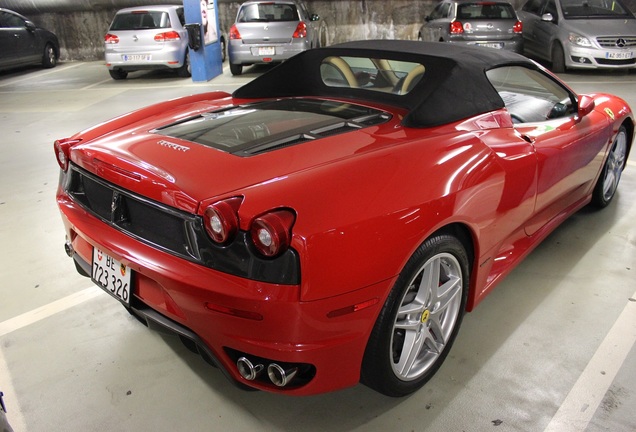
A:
x: 427, y: 316
x: 614, y: 165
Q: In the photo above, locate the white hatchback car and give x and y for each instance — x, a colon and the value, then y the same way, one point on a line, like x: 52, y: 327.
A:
x: 150, y: 37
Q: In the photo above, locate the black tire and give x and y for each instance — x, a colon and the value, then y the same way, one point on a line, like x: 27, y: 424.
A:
x: 424, y: 316
x: 607, y: 183
x: 223, y: 50
x: 558, y: 59
x: 236, y: 69
x: 185, y: 71
x: 49, y: 57
x: 118, y: 74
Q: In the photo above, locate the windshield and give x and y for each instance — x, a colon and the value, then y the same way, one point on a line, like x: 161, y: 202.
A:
x: 594, y: 9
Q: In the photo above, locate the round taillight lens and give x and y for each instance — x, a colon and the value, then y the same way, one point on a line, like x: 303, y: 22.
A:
x: 518, y: 27
x: 62, y: 150
x: 221, y: 220
x: 271, y: 232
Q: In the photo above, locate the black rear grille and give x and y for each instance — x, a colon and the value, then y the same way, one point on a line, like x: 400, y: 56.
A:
x: 175, y: 231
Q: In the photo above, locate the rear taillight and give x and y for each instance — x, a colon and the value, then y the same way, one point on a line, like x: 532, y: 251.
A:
x: 456, y: 27
x: 518, y: 27
x: 221, y: 219
x: 271, y: 232
x: 111, y: 39
x: 301, y: 31
x: 62, y: 148
x: 234, y: 33
x: 167, y: 36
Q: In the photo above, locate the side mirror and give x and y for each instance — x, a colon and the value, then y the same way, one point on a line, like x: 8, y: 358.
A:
x: 195, y: 36
x: 314, y: 17
x: 547, y: 17
x: 29, y: 26
x: 585, y: 106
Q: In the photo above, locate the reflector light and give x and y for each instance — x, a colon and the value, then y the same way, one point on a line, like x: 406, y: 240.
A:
x: 456, y: 27
x: 301, y: 31
x: 167, y: 36
x: 353, y: 308
x: 234, y: 312
x: 221, y: 219
x: 271, y: 232
x: 518, y: 27
x: 111, y: 39
x: 234, y: 33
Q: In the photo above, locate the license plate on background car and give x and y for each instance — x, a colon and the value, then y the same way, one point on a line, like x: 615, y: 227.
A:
x: 111, y: 275
x: 137, y: 57
x: 495, y: 45
x: 619, y: 55
x: 266, y: 51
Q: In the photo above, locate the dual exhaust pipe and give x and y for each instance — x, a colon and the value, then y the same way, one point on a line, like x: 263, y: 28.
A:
x: 277, y: 374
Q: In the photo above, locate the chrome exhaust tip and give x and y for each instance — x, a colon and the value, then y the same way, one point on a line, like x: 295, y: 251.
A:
x: 248, y: 370
x: 68, y: 248
x: 279, y: 376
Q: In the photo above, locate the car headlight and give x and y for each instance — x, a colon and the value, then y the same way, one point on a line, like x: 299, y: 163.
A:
x: 579, y: 40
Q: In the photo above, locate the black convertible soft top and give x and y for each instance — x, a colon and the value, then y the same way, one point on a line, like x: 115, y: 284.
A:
x: 455, y: 88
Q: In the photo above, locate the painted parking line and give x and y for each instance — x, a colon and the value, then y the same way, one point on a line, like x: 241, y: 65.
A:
x: 39, y: 74
x: 588, y: 392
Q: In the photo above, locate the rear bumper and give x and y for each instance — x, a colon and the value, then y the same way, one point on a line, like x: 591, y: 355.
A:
x: 240, y: 53
x: 170, y: 57
x: 227, y: 317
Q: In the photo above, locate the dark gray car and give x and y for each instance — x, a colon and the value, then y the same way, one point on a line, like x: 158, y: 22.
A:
x: 22, y: 43
x: 583, y: 34
x: 492, y: 24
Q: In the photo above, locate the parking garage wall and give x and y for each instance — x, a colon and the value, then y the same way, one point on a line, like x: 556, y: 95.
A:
x: 81, y: 27
x: 81, y: 24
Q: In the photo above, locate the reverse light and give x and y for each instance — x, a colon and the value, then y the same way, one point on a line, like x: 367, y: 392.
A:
x: 221, y: 219
x: 111, y: 39
x: 518, y: 27
x: 301, y: 31
x: 271, y: 232
x: 167, y: 36
x: 234, y: 33
x: 62, y: 148
x: 456, y: 27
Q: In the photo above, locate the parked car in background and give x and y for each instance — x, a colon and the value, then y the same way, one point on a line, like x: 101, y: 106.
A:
x: 332, y: 220
x: 580, y: 33
x: 149, y: 37
x: 271, y: 31
x: 492, y: 24
x: 22, y: 43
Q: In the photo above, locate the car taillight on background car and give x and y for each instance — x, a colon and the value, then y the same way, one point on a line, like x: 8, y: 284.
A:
x: 456, y: 27
x: 518, y: 27
x: 111, y: 39
x: 234, y: 33
x: 301, y: 31
x: 167, y: 36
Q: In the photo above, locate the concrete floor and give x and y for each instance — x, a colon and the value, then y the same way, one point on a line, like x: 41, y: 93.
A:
x: 552, y: 348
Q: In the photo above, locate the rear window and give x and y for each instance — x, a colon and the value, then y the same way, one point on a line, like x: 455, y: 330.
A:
x: 383, y: 75
x: 267, y: 12
x: 485, y: 10
x: 260, y: 127
x: 141, y: 20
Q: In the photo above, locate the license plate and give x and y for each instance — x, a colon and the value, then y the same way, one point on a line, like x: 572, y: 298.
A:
x: 491, y: 45
x: 619, y: 55
x: 112, y: 276
x: 266, y: 51
x: 137, y: 57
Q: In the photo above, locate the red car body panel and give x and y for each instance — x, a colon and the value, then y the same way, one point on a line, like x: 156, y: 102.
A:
x: 363, y: 205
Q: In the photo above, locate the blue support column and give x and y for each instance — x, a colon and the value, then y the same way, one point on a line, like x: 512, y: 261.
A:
x: 205, y: 61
